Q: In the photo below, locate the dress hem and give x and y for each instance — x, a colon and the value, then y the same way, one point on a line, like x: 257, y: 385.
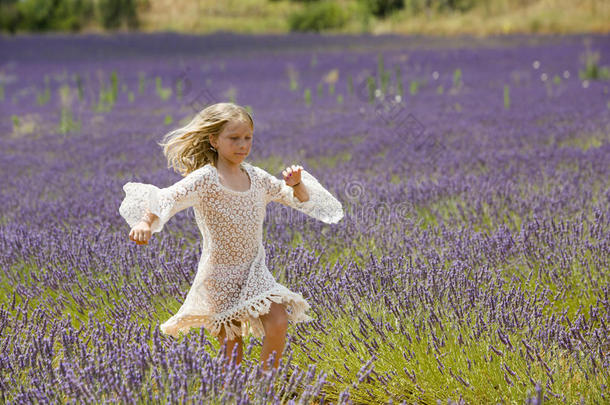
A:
x: 248, y: 314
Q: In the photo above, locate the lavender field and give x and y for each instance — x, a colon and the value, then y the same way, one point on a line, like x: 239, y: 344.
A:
x: 471, y: 265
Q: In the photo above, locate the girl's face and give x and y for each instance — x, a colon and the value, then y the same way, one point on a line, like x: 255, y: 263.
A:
x: 234, y: 141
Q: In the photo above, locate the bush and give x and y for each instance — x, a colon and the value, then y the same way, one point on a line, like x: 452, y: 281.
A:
x: 455, y: 5
x: 382, y: 8
x: 114, y: 12
x: 318, y: 16
x: 42, y: 15
x: 9, y: 15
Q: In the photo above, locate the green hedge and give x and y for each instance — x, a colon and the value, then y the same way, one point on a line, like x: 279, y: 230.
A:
x: 382, y: 8
x: 66, y: 15
x: 318, y: 16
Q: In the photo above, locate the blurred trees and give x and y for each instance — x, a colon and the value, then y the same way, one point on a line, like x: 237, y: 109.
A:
x: 67, y: 15
x: 317, y: 15
x: 405, y: 16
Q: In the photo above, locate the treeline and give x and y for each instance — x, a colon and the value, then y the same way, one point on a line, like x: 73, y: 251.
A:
x: 306, y: 15
x: 318, y: 15
x: 74, y: 15
x: 68, y: 15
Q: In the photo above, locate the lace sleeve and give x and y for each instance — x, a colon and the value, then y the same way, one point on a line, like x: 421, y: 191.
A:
x: 164, y: 202
x: 321, y: 205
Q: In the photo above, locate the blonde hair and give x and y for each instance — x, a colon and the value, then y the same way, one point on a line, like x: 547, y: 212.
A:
x: 188, y: 148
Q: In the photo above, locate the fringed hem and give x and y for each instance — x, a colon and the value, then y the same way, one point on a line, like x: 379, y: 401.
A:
x: 248, y: 314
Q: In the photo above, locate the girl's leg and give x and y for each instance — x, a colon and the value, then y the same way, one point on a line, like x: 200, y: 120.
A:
x: 275, y: 323
x: 230, y: 344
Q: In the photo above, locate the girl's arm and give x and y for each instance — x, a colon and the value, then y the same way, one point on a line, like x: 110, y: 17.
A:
x: 149, y: 217
x: 146, y: 208
x: 141, y: 233
x: 300, y: 192
x: 292, y: 177
x: 307, y: 195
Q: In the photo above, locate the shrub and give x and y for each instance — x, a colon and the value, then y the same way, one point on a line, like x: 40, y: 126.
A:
x: 592, y: 69
x: 382, y: 8
x: 318, y: 16
x: 42, y: 15
x: 456, y: 5
x: 9, y: 15
x: 113, y: 12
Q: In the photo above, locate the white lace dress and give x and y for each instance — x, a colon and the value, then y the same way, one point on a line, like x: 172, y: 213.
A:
x: 232, y: 280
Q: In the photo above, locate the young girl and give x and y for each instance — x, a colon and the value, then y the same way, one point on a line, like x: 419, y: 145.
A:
x: 233, y: 293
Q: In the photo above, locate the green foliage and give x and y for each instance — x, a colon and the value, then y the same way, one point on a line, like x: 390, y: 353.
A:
x: 44, y: 97
x: 399, y: 86
x: 592, y: 69
x: 179, y: 89
x: 79, y: 86
x: 107, y: 94
x: 163, y: 92
x: 372, y: 86
x: 307, y: 96
x: 113, y: 13
x: 65, y: 15
x: 318, y: 16
x: 506, y: 96
x: 44, y: 15
x: 294, y: 85
x: 9, y: 15
x: 67, y: 123
x: 383, y: 8
x: 442, y: 6
x: 457, y: 78
x: 141, y: 82
x: 413, y: 87
x: 456, y: 5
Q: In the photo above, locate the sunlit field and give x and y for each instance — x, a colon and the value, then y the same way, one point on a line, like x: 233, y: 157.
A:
x: 471, y: 265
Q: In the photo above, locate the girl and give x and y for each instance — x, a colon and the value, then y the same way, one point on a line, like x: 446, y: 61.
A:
x: 233, y: 293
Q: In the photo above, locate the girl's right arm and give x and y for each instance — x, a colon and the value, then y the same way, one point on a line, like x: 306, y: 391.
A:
x: 146, y: 208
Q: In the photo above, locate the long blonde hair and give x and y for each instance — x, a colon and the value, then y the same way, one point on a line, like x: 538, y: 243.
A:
x: 188, y: 148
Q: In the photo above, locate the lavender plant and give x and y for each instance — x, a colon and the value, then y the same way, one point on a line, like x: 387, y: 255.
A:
x: 471, y: 265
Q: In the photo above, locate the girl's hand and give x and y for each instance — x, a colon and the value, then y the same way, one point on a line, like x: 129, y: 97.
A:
x: 140, y: 233
x: 292, y: 175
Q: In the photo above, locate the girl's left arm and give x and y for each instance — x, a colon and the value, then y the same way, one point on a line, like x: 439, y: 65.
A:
x: 320, y: 204
x: 300, y: 192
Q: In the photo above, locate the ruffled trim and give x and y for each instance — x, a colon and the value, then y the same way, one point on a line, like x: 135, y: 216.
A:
x: 321, y: 205
x: 248, y: 314
x: 138, y: 198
